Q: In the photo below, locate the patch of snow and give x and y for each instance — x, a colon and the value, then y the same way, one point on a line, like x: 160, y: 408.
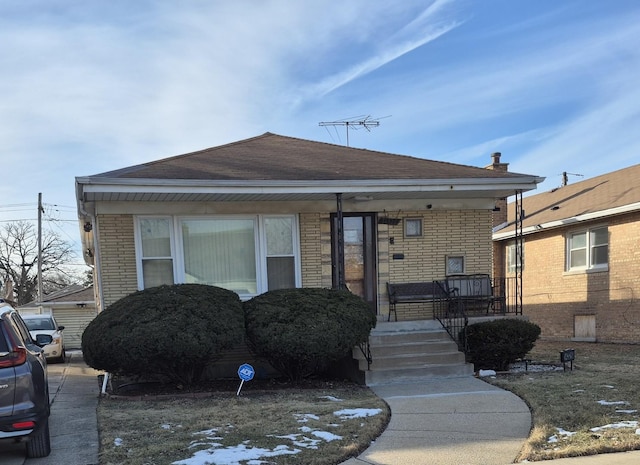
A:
x: 622, y: 424
x: 608, y: 386
x: 348, y: 414
x: 305, y: 417
x: 331, y: 398
x: 617, y: 402
x: 117, y: 442
x: 234, y: 455
x: 483, y: 373
x: 626, y: 411
x: 325, y: 436
x: 562, y: 432
x: 579, y: 390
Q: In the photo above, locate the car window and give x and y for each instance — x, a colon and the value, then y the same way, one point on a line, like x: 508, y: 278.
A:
x: 24, y: 332
x: 39, y: 324
x: 4, y: 347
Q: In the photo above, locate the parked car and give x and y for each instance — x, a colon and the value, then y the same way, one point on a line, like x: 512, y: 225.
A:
x: 24, y: 389
x: 46, y: 324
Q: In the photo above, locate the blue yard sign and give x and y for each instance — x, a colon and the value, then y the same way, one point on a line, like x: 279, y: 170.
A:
x: 245, y: 372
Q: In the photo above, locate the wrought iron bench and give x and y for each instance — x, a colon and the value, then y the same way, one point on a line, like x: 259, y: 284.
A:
x: 406, y: 293
x: 472, y: 293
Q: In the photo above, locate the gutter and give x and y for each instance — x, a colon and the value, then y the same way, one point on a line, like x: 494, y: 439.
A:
x: 630, y: 208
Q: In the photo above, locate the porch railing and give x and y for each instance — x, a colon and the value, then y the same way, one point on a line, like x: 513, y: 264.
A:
x: 453, y: 313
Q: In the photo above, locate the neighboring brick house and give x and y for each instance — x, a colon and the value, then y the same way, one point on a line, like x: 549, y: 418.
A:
x: 262, y: 214
x: 581, y: 249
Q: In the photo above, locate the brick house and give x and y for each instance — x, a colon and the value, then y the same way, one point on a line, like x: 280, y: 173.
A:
x: 581, y: 256
x: 263, y: 213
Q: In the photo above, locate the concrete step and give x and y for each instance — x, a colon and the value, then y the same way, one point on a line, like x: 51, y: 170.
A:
x: 420, y: 347
x: 411, y: 351
x: 416, y: 374
x: 410, y: 360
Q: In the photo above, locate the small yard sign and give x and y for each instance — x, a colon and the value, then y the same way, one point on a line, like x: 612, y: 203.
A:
x: 245, y: 372
x: 567, y: 356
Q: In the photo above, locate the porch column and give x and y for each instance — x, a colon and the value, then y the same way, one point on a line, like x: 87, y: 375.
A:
x: 340, y: 245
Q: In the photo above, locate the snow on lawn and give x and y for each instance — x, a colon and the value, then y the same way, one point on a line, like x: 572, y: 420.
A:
x: 307, y: 438
x: 621, y: 424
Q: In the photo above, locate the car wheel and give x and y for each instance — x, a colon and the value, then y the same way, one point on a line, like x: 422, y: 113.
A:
x: 63, y: 356
x: 40, y: 444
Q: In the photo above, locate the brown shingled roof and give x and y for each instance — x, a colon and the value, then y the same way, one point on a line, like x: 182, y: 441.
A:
x: 274, y: 157
x: 600, y: 195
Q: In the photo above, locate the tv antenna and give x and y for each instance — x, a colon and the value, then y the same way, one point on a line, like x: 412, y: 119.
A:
x: 356, y: 123
x: 565, y: 177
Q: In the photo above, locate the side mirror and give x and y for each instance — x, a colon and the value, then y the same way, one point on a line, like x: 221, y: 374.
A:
x: 43, y: 339
x: 60, y: 328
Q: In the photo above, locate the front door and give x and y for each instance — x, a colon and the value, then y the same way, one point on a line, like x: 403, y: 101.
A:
x: 359, y: 255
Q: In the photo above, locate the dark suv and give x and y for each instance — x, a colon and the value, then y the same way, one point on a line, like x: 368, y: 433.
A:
x: 24, y: 392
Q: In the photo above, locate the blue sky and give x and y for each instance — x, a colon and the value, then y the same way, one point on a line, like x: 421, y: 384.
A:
x: 89, y: 87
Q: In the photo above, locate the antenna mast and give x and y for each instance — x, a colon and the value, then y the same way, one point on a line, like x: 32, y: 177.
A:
x: 355, y: 123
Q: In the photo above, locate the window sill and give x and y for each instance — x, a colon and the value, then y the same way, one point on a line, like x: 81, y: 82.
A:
x: 604, y: 269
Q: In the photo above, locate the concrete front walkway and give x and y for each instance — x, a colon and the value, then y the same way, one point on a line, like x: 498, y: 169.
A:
x: 452, y: 421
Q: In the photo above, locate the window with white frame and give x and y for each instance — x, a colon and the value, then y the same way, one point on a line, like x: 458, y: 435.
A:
x: 588, y: 249
x: 246, y: 254
x: 155, y: 251
x: 513, y: 263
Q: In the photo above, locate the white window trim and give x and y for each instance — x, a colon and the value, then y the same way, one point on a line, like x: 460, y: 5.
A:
x: 260, y: 245
x: 588, y: 268
x: 514, y: 268
x: 138, y: 245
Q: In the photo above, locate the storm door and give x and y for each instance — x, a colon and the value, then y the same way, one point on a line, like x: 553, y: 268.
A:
x: 359, y: 254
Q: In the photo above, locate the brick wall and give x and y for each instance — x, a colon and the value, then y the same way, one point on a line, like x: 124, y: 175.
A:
x: 445, y: 232
x: 553, y: 298
x: 118, y: 257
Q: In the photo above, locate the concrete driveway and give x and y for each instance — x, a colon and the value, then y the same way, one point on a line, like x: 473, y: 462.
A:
x: 73, y: 423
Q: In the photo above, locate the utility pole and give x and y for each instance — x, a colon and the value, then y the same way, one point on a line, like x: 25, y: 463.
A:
x: 40, y: 249
x: 356, y: 123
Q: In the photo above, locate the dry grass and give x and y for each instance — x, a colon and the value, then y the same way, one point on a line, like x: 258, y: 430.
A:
x: 172, y: 430
x: 570, y: 400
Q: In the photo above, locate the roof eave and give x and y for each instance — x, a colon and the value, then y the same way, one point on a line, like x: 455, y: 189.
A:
x: 601, y: 214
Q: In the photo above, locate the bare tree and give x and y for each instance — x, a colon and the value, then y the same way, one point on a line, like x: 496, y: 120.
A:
x: 19, y: 259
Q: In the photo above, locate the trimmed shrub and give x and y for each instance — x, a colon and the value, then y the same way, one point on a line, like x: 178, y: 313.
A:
x: 496, y: 344
x: 172, y: 331
x: 300, y: 332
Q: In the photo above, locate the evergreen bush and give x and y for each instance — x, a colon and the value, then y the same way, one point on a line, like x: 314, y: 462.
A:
x: 300, y: 332
x: 171, y: 331
x: 496, y: 344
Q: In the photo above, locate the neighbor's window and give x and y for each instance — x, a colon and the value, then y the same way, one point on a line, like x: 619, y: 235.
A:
x: 156, y: 259
x: 413, y: 227
x: 588, y: 249
x: 455, y: 264
x: 512, y: 258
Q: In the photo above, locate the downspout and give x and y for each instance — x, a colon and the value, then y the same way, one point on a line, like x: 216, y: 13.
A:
x: 97, y: 268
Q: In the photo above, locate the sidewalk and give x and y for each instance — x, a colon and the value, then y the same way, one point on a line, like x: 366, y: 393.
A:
x: 73, y: 423
x: 453, y: 421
